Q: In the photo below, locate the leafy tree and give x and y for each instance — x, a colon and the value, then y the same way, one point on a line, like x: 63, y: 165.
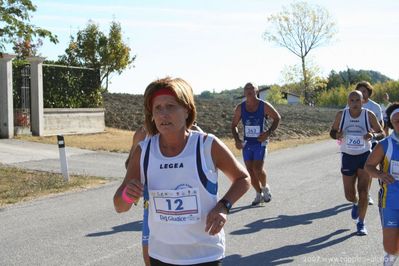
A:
x: 352, y: 76
x: 25, y: 48
x: 335, y: 80
x: 275, y: 96
x: 300, y: 28
x: 92, y: 48
x: 292, y: 78
x: 15, y: 27
x: 377, y: 76
x: 206, y: 95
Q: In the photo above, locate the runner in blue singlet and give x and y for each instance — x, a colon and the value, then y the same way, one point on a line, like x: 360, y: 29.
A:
x: 386, y: 155
x: 253, y: 113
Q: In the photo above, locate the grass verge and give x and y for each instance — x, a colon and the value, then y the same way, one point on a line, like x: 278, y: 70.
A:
x: 113, y: 140
x: 18, y: 185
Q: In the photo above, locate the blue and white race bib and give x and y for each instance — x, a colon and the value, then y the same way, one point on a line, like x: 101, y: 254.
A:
x: 355, y: 142
x: 252, y: 131
x: 180, y: 206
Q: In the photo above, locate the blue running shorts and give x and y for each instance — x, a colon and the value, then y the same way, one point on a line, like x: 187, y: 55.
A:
x: 350, y: 163
x: 389, y: 218
x: 254, y: 152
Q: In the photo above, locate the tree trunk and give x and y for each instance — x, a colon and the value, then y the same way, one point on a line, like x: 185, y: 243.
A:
x: 305, y: 81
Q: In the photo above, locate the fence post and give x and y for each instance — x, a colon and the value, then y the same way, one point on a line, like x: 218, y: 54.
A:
x: 63, y: 159
x: 6, y: 97
x: 36, y: 72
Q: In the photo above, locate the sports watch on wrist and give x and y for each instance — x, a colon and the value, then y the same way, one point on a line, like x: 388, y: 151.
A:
x: 227, y: 204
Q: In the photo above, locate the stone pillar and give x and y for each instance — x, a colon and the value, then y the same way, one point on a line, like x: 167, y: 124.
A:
x: 36, y: 83
x: 6, y: 97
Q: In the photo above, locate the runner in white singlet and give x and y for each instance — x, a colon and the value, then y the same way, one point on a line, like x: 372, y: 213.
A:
x: 354, y: 127
x: 179, y: 166
x: 367, y: 90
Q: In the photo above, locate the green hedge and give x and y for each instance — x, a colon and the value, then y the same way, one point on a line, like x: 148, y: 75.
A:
x: 63, y: 86
x: 71, y: 87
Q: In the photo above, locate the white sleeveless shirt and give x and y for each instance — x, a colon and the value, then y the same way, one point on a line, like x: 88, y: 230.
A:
x: 182, y: 191
x: 354, y: 128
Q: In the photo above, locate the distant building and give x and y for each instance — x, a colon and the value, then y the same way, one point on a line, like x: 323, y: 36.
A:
x: 291, y: 98
x: 263, y: 92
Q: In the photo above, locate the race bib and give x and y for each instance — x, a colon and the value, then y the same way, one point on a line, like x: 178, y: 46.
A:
x: 252, y: 131
x: 395, y: 169
x: 176, y: 206
x: 355, y: 142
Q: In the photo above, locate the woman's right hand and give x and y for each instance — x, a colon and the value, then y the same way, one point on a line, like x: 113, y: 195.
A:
x: 134, y: 189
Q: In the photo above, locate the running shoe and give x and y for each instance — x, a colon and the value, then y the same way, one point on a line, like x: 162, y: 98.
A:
x: 371, y: 201
x: 355, y: 211
x: 267, y: 196
x: 361, y: 229
x: 257, y: 199
x: 389, y: 259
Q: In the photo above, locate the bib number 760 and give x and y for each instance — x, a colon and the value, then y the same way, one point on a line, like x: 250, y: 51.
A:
x: 354, y: 141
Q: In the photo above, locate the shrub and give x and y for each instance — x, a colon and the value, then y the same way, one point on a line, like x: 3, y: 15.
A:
x: 390, y: 87
x: 337, y: 97
x: 71, y: 87
x: 334, y: 98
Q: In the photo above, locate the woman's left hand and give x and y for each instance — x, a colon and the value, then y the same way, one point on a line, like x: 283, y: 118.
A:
x: 216, y: 219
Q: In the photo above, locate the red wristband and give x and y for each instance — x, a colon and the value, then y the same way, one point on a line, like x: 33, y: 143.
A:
x: 126, y: 198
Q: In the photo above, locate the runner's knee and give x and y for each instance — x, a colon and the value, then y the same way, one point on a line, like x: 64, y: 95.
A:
x: 350, y: 196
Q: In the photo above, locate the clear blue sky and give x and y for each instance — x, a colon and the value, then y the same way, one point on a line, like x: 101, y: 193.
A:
x: 218, y: 44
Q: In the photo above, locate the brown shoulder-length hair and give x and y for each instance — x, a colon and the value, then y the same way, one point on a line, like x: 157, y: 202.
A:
x: 184, y: 96
x: 366, y: 85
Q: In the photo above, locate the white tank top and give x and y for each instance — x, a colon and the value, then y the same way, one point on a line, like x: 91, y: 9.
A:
x: 354, y: 128
x: 182, y: 191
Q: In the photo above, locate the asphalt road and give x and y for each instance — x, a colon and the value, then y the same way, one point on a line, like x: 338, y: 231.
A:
x: 306, y: 223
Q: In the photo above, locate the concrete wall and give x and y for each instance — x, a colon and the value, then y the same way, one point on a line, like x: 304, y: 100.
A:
x: 73, y: 121
x: 263, y: 94
x: 293, y: 99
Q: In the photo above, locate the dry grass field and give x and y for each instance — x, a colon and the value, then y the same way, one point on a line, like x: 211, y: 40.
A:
x: 125, y: 111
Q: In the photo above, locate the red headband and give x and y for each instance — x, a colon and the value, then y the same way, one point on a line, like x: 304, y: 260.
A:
x: 163, y: 91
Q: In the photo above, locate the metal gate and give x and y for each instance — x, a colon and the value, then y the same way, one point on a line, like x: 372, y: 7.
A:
x: 22, y: 99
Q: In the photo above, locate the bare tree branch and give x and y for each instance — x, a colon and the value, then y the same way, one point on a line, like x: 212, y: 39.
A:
x: 300, y: 28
